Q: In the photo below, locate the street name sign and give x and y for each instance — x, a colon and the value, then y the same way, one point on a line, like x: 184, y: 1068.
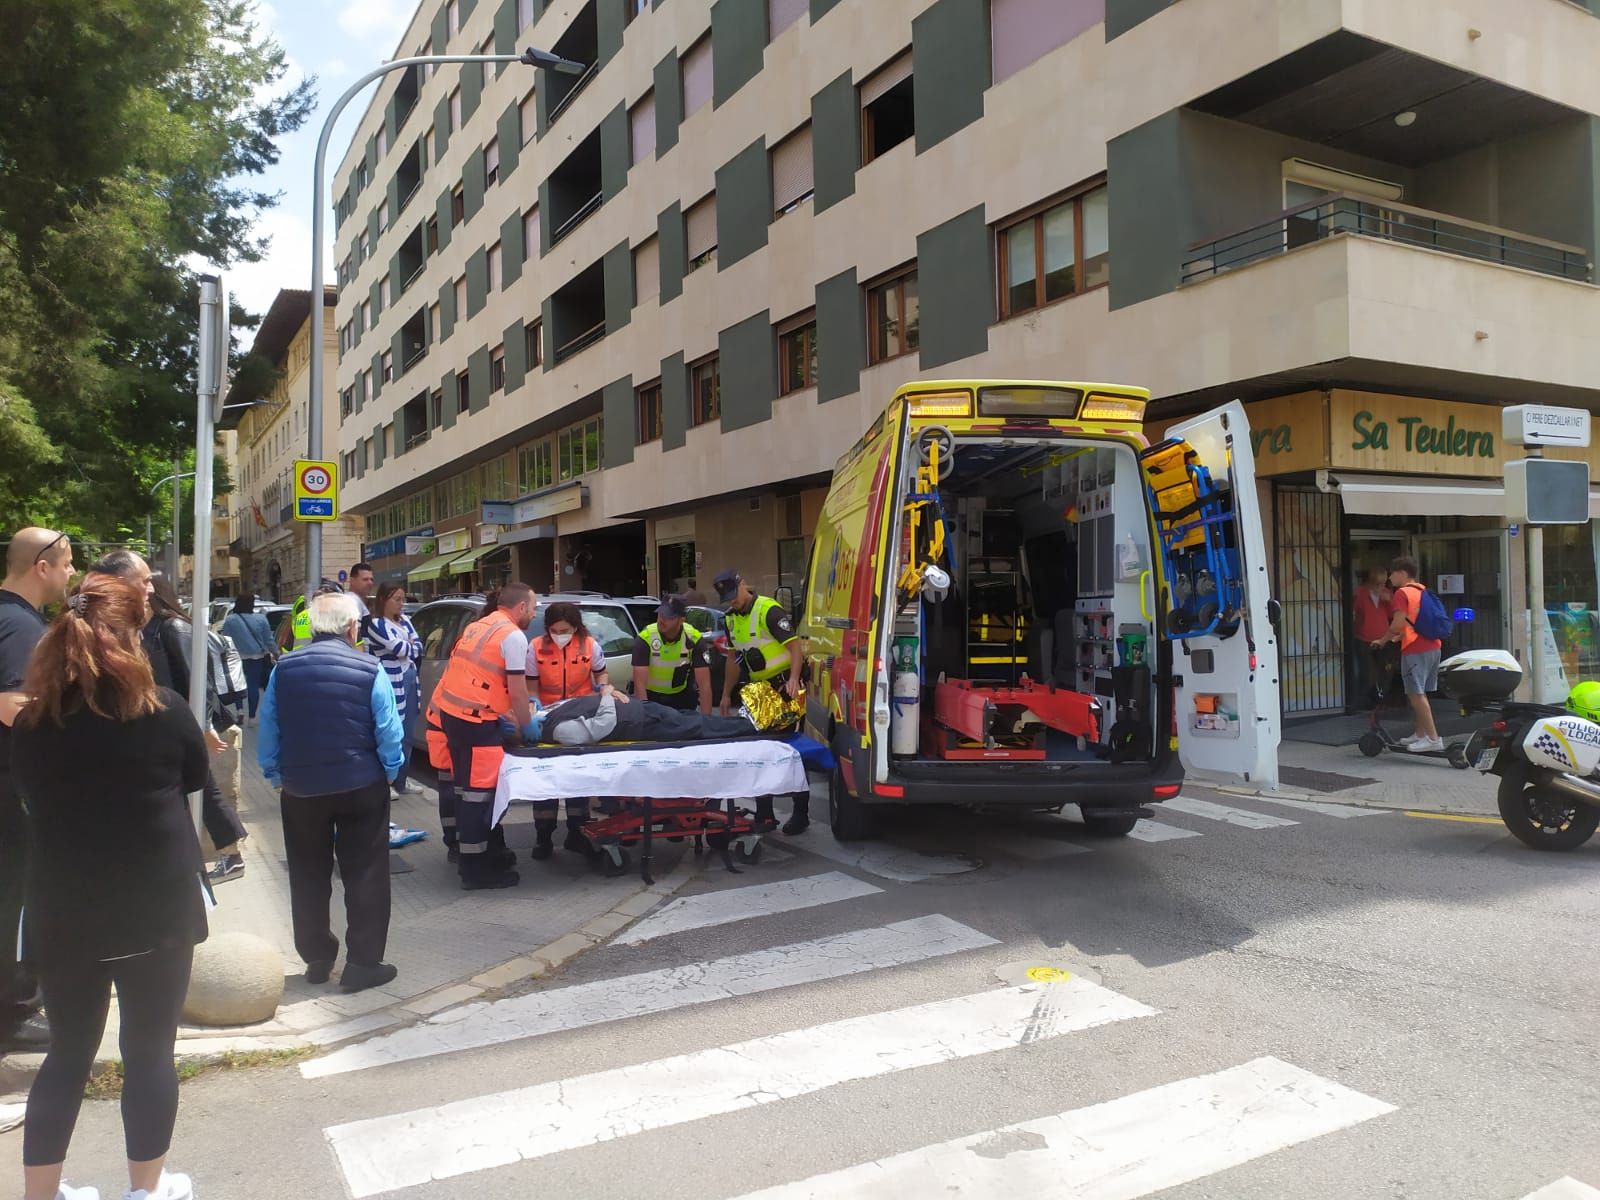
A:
x: 1539, y: 425
x: 316, y: 490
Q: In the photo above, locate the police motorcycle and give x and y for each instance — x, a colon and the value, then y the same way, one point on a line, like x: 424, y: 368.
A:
x: 1546, y: 755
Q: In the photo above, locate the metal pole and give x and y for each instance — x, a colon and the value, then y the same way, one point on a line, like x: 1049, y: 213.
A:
x: 1536, y: 618
x: 530, y: 57
x: 177, y: 519
x: 211, y: 364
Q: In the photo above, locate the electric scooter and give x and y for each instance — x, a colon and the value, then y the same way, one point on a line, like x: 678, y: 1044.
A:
x: 1377, y: 738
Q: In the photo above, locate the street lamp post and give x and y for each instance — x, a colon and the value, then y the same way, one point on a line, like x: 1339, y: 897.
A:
x: 529, y: 57
x: 149, y: 544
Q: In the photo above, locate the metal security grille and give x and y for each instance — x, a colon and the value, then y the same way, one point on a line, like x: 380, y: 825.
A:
x: 1311, y: 637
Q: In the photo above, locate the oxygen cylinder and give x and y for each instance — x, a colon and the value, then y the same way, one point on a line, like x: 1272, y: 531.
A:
x: 905, y: 720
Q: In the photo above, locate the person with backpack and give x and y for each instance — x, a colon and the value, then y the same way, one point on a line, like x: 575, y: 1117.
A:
x: 1420, y: 625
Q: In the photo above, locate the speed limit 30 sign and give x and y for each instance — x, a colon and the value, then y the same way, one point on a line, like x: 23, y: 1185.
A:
x: 316, y: 490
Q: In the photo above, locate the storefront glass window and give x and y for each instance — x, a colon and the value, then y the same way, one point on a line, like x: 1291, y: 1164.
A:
x: 1570, y: 598
x: 1307, y: 586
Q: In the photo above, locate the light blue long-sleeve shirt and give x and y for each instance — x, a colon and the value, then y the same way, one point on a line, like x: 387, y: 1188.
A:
x: 385, y: 717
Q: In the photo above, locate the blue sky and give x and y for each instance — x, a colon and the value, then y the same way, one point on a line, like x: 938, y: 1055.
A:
x: 335, y: 40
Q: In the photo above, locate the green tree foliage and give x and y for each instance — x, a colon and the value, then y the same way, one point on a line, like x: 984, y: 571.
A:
x: 128, y: 136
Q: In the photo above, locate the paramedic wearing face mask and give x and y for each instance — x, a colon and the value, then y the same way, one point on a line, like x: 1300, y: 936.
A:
x: 567, y: 662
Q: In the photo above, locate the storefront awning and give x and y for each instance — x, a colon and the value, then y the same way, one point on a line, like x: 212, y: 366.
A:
x: 1409, y: 496
x: 431, y: 569
x: 469, y: 560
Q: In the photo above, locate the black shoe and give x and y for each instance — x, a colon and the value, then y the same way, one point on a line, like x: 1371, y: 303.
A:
x: 29, y: 1035
x: 318, y: 972
x: 796, y: 824
x: 576, y: 842
x: 502, y: 859
x: 542, y: 850
x: 491, y: 882
x: 357, y: 978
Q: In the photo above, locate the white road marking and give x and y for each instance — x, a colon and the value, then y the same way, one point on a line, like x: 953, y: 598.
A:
x: 1565, y: 1188
x: 491, y: 1023
x: 408, y: 1149
x: 745, y: 903
x: 1242, y: 817
x: 1122, y: 1149
x: 1342, y: 811
x: 1156, y: 831
x: 884, y: 860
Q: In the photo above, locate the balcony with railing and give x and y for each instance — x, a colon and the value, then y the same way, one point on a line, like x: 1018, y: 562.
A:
x: 1347, y: 214
x: 414, y: 340
x: 575, y: 188
x: 580, y: 43
x: 578, y: 313
x: 408, y: 175
x: 410, y: 259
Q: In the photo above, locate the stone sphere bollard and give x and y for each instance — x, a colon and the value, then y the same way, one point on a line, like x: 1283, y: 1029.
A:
x: 237, y: 980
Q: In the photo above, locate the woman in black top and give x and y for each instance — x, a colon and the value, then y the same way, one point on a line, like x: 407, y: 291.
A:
x: 104, y: 760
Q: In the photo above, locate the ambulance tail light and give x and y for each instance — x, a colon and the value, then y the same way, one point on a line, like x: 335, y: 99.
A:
x: 1099, y: 406
x: 940, y: 404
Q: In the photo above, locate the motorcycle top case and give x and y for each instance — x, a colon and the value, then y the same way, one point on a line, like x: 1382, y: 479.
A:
x: 1568, y: 744
x: 1480, y: 675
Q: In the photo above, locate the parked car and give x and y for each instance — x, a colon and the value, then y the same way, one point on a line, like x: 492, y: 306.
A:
x: 440, y: 622
x: 641, y: 608
x: 712, y: 624
x: 217, y: 610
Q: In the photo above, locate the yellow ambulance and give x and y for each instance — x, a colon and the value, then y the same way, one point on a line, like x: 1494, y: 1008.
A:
x: 1015, y: 602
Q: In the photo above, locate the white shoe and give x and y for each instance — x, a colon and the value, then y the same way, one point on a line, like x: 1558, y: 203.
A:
x: 68, y: 1192
x: 1425, y: 745
x: 173, y: 1186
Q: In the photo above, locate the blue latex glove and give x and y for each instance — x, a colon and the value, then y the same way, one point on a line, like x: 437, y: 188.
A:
x: 530, y: 731
x: 507, y: 727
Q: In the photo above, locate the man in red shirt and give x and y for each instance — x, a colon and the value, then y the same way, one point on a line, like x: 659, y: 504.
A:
x: 1419, y: 656
x: 1371, y: 615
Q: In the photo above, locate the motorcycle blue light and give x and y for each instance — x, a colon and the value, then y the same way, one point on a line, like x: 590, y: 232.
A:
x: 1463, y: 614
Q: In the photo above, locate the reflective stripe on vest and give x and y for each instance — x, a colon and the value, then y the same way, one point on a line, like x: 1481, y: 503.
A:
x: 474, y: 683
x: 302, y: 629
x: 765, y: 657
x: 566, y: 672
x: 669, y: 661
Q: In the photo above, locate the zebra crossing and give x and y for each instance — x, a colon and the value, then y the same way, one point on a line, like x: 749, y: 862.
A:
x: 1131, y: 1145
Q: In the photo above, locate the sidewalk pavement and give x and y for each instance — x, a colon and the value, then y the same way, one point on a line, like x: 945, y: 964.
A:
x: 450, y: 946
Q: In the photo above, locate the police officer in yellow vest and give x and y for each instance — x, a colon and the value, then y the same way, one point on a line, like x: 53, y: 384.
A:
x: 761, y: 635
x: 671, y: 661
x: 296, y: 631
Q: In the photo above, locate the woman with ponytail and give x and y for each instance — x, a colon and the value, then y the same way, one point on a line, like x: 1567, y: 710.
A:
x: 104, y: 760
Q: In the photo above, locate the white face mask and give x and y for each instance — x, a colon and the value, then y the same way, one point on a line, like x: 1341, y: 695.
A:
x: 561, y: 639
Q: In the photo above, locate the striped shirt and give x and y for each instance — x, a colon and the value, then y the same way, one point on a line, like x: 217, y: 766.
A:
x: 397, y: 646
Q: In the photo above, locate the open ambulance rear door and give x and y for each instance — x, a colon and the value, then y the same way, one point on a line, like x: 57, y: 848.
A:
x: 1227, y: 709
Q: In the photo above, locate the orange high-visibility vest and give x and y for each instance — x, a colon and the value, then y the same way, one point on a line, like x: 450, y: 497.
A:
x: 566, y: 671
x: 474, y: 684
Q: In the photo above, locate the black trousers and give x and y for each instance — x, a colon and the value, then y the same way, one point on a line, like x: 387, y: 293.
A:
x: 16, y: 986
x: 220, y: 817
x: 476, y: 749
x: 150, y: 990
x: 352, y: 830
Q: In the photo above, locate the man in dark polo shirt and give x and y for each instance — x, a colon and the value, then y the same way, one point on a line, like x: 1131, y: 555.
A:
x: 38, y: 569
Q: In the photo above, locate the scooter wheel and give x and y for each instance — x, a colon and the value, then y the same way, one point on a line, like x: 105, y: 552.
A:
x: 1456, y: 755
x: 1370, y: 744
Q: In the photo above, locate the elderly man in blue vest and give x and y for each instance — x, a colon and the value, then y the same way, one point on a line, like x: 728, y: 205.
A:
x: 331, y: 739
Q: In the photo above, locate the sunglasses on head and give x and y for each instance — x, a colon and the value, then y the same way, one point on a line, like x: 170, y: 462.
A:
x: 51, y: 545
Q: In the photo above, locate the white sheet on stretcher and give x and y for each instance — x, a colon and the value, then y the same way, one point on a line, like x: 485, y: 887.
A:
x: 711, y: 770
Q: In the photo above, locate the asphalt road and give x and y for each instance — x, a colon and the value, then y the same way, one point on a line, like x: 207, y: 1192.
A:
x: 1266, y: 1002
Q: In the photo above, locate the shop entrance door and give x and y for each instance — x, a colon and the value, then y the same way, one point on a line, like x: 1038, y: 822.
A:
x: 1469, y: 571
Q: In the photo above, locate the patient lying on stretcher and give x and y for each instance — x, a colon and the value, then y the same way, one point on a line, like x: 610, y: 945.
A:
x: 609, y: 716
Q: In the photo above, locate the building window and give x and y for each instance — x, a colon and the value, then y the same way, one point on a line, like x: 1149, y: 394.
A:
x: 433, y: 323
x: 495, y: 257
x: 497, y: 369
x: 435, y: 410
x: 463, y: 393
x: 383, y: 141
x: 363, y: 247
x: 452, y: 17
x: 347, y: 402
x: 458, y: 205
x: 642, y: 127
x: 366, y: 388
x: 461, y: 298
x: 700, y: 229
x: 383, y: 293
x: 433, y: 235
x: 892, y: 317
x: 491, y: 163
x: 535, y: 466
x: 646, y: 271
x: 533, y: 347
x: 797, y: 353
x: 366, y: 315
x: 578, y: 450
x: 530, y: 234
x: 888, y: 115
x: 696, y: 67
x: 528, y: 118
x: 524, y: 14
x: 386, y: 365
x: 383, y: 215
x: 783, y: 13
x: 1055, y: 252
x: 455, y: 111
x: 648, y: 404
x: 705, y: 392
x: 792, y: 174
x: 488, y: 68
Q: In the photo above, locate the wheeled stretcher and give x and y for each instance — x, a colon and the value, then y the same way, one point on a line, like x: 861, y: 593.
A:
x: 671, y: 790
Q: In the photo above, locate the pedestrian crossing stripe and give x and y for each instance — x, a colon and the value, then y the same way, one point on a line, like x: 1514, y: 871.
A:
x: 1120, y: 1150
x: 409, y: 1149
x: 744, y: 903
x: 1226, y: 813
x: 1565, y: 1188
x: 473, y: 1026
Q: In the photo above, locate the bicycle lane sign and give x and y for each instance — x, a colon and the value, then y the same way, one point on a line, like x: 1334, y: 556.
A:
x: 316, y: 490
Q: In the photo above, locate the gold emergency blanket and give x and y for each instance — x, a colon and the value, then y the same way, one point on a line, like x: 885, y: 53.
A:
x: 768, y: 707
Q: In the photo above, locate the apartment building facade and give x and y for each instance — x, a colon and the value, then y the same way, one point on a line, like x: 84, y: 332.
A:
x: 613, y: 331
x: 267, y: 542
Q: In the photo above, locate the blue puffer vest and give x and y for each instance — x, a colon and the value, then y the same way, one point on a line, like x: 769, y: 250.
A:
x: 327, y: 735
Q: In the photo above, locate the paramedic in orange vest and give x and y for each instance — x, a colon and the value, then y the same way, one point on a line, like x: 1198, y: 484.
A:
x: 567, y: 661
x: 483, y: 682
